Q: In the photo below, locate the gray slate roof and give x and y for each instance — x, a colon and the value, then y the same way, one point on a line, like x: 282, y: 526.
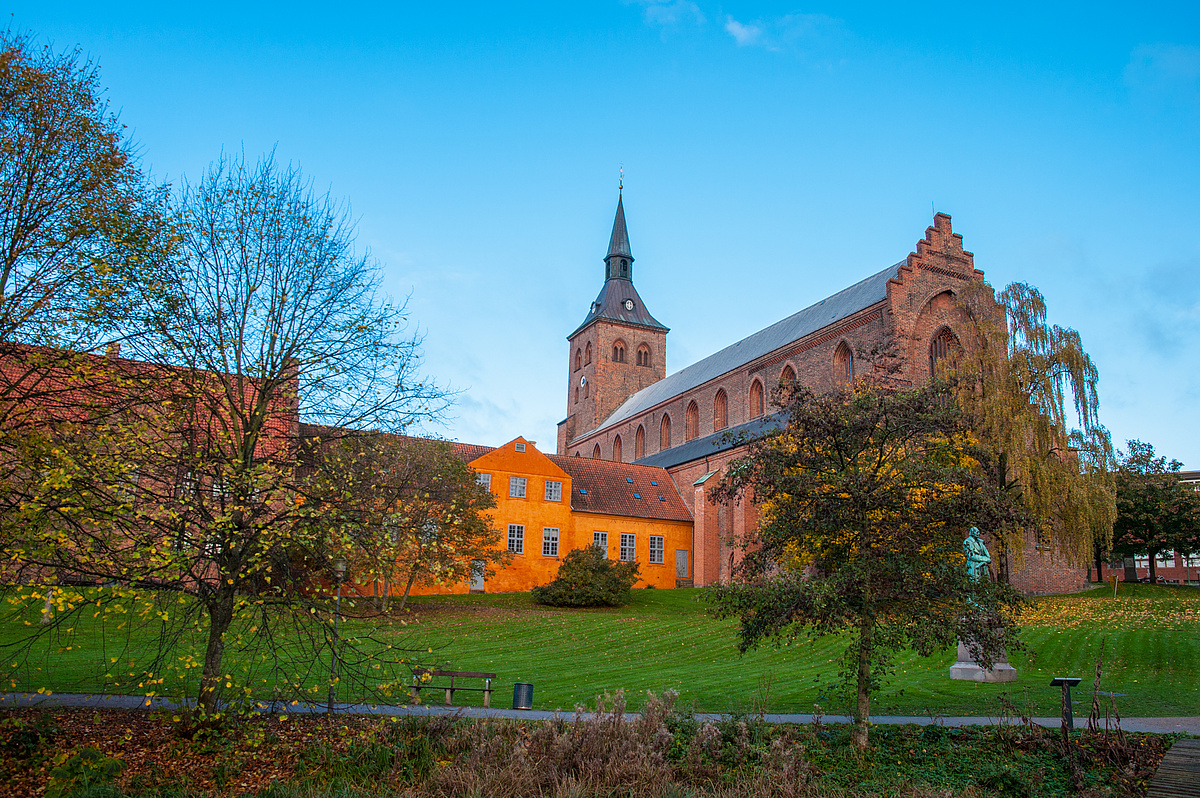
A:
x: 717, y: 442
x: 618, y: 244
x: 610, y: 304
x: 832, y: 309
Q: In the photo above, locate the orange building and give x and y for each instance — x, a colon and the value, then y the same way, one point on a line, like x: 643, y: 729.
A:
x: 547, y: 505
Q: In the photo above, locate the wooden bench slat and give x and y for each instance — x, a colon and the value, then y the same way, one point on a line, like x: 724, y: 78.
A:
x: 468, y: 674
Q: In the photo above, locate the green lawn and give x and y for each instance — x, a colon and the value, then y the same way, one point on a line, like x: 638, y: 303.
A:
x: 667, y: 639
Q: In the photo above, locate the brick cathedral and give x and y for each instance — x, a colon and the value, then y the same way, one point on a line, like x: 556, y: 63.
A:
x: 622, y: 406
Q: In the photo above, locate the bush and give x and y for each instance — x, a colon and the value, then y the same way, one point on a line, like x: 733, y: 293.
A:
x: 586, y: 578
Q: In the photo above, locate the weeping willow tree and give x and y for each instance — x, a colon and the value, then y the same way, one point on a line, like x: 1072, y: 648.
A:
x: 1030, y: 391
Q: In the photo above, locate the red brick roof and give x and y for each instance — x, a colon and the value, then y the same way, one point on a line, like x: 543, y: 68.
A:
x: 470, y: 451
x: 622, y: 489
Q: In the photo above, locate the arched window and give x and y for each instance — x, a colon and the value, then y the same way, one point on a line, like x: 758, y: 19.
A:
x: 787, y: 381
x: 720, y: 411
x: 578, y: 359
x: 756, y: 399
x: 587, y: 353
x: 576, y: 454
x: 587, y: 389
x: 639, y: 443
x: 619, y: 352
x: 617, y: 449
x: 596, y: 452
x: 843, y: 365
x: 664, y: 433
x: 624, y: 268
x: 691, y: 422
x: 643, y: 355
x: 945, y: 347
x: 576, y: 393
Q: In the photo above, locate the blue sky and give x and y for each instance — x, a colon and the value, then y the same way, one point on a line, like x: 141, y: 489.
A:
x: 773, y: 154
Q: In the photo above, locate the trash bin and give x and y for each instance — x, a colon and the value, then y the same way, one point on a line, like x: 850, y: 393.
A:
x: 522, y: 695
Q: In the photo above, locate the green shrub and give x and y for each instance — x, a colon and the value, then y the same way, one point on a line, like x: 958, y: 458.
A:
x: 88, y: 771
x: 586, y: 578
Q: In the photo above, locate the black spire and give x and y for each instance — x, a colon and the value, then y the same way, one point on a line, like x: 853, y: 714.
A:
x: 618, y: 262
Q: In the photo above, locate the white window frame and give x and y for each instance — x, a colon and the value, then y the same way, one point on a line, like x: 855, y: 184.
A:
x: 516, y: 487
x: 658, y: 548
x: 549, y: 541
x: 520, y: 447
x: 516, y: 538
x: 485, y: 480
x: 628, y: 547
x: 1141, y: 560
x: 600, y: 541
x: 1165, y: 559
x: 1191, y: 560
x: 553, y: 491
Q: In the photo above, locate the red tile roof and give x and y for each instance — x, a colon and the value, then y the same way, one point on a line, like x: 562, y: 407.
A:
x: 622, y: 489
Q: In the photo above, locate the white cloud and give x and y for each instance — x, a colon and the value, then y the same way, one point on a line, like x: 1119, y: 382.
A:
x: 810, y: 34
x: 671, y: 12
x: 744, y: 35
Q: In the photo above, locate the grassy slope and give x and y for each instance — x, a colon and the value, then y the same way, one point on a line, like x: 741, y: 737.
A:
x: 666, y: 639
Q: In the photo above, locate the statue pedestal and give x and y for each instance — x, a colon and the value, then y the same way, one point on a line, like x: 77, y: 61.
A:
x: 969, y: 670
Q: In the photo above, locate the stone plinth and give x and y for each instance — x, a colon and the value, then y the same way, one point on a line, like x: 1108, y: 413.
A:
x: 969, y: 670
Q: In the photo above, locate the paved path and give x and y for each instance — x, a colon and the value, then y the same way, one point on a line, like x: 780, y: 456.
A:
x: 103, y: 701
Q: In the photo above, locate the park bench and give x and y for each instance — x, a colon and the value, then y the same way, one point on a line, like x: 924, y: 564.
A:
x: 420, y: 683
x: 1178, y: 776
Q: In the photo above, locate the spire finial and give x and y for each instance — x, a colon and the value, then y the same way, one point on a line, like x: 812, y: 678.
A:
x: 621, y: 178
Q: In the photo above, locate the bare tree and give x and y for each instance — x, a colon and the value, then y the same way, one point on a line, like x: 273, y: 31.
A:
x: 269, y: 313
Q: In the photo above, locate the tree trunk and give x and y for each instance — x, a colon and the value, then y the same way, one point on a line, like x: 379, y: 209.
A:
x: 387, y: 594
x: 1153, y: 557
x: 220, y: 614
x: 862, y: 707
x: 412, y: 575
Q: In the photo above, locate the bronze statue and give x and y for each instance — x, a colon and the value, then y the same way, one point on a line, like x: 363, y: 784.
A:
x: 977, y: 555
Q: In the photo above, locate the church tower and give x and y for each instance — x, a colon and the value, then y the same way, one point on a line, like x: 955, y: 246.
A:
x: 617, y: 350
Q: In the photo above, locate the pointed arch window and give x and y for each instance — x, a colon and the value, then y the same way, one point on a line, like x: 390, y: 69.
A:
x: 944, y: 347
x: 576, y: 393
x: 596, y: 452
x: 618, y: 351
x: 587, y: 354
x: 691, y: 421
x: 587, y: 389
x: 843, y: 365
x: 639, y: 443
x: 617, y: 449
x: 756, y: 399
x: 664, y: 433
x: 787, y: 381
x: 578, y: 359
x: 643, y: 355
x: 720, y: 411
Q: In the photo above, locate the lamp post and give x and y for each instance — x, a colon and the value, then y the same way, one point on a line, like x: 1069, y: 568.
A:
x: 339, y: 566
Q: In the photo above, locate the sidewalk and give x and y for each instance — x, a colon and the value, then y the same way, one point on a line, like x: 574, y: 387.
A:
x: 103, y: 701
